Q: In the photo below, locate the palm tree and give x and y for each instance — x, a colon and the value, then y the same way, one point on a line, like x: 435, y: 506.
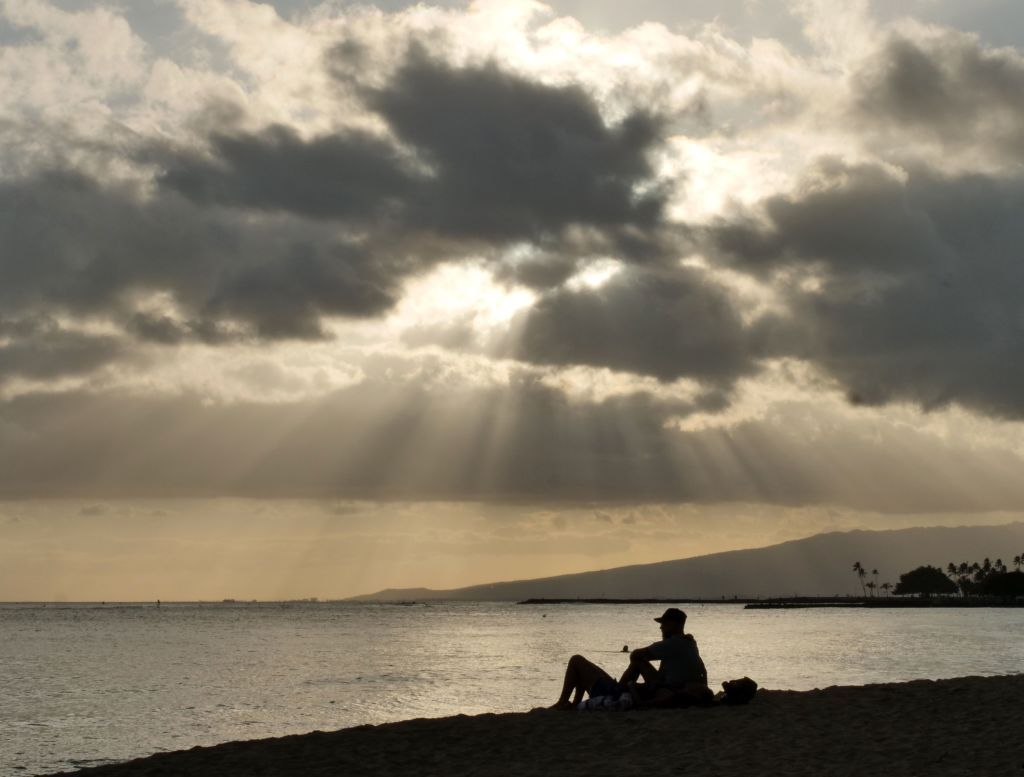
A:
x: 861, y: 574
x: 871, y: 585
x: 1017, y: 562
x: 874, y: 574
x: 963, y: 577
x: 957, y: 572
x: 886, y: 587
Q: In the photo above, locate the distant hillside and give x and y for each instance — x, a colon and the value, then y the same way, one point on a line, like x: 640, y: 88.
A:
x: 818, y: 565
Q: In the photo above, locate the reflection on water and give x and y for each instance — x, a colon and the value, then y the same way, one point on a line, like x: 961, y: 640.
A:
x: 83, y: 684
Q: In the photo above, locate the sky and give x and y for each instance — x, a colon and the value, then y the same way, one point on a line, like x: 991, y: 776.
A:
x: 316, y: 298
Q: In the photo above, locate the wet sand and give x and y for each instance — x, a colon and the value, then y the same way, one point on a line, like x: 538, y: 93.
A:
x: 965, y: 726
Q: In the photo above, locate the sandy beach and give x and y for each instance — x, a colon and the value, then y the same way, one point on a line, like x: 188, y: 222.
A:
x: 964, y: 726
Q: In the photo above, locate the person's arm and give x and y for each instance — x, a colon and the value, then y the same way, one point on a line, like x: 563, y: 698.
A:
x: 653, y: 652
x: 642, y: 654
x: 640, y: 664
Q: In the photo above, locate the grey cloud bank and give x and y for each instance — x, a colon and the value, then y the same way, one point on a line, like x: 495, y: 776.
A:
x: 669, y: 323
x: 920, y: 283
x: 947, y: 90
x: 523, y: 444
x: 510, y: 160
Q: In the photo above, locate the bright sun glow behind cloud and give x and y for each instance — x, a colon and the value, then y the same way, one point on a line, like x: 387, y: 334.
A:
x: 459, y: 292
x: 595, y: 274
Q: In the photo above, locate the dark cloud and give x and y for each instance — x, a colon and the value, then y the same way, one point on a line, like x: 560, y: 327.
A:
x: 164, y: 330
x: 517, y: 159
x: 854, y: 220
x: 28, y: 326
x: 73, y: 244
x: 904, y: 286
x: 287, y: 295
x: 666, y: 323
x: 948, y: 89
x: 157, y: 329
x: 347, y: 176
x: 489, y: 156
x: 264, y: 234
x: 38, y: 349
x: 919, y: 280
x: 541, y: 271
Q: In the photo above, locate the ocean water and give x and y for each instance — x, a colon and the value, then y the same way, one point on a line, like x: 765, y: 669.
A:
x: 87, y: 684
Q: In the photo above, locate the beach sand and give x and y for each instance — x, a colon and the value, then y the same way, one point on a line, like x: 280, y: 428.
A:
x: 966, y: 726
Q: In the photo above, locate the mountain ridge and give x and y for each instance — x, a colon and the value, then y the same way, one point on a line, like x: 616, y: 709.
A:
x: 817, y: 565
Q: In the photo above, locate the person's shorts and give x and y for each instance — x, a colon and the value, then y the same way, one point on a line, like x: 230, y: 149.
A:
x: 606, y: 686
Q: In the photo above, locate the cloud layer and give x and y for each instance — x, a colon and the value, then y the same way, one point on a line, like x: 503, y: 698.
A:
x: 680, y: 211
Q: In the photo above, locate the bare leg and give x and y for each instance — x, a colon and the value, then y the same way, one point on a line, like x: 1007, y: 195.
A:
x: 580, y: 676
x: 638, y: 669
x: 645, y: 693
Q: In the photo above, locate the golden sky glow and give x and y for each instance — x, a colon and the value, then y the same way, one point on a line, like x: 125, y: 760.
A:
x: 213, y: 549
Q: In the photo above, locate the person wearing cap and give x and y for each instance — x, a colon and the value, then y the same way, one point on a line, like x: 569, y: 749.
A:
x: 681, y: 669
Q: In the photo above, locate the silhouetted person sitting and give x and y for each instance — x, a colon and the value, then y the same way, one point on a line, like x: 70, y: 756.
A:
x: 681, y: 672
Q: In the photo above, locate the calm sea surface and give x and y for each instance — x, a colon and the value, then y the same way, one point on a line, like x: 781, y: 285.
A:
x: 87, y: 684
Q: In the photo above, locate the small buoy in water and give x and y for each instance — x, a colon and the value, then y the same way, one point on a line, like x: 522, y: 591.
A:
x: 625, y: 648
x: 544, y: 615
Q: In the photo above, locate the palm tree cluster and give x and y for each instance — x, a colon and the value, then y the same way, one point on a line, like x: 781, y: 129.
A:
x: 872, y: 584
x: 973, y: 579
x: 986, y: 579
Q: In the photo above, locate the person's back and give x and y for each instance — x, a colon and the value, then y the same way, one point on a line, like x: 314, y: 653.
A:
x: 680, y: 661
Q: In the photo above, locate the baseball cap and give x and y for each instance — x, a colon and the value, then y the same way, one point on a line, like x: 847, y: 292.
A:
x: 672, y: 614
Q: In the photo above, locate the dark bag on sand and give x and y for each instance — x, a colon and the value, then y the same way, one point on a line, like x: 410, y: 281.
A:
x: 737, y: 691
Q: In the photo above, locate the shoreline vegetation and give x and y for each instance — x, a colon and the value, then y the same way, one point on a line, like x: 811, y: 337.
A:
x: 984, y: 584
x: 797, y: 602
x: 955, y: 726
